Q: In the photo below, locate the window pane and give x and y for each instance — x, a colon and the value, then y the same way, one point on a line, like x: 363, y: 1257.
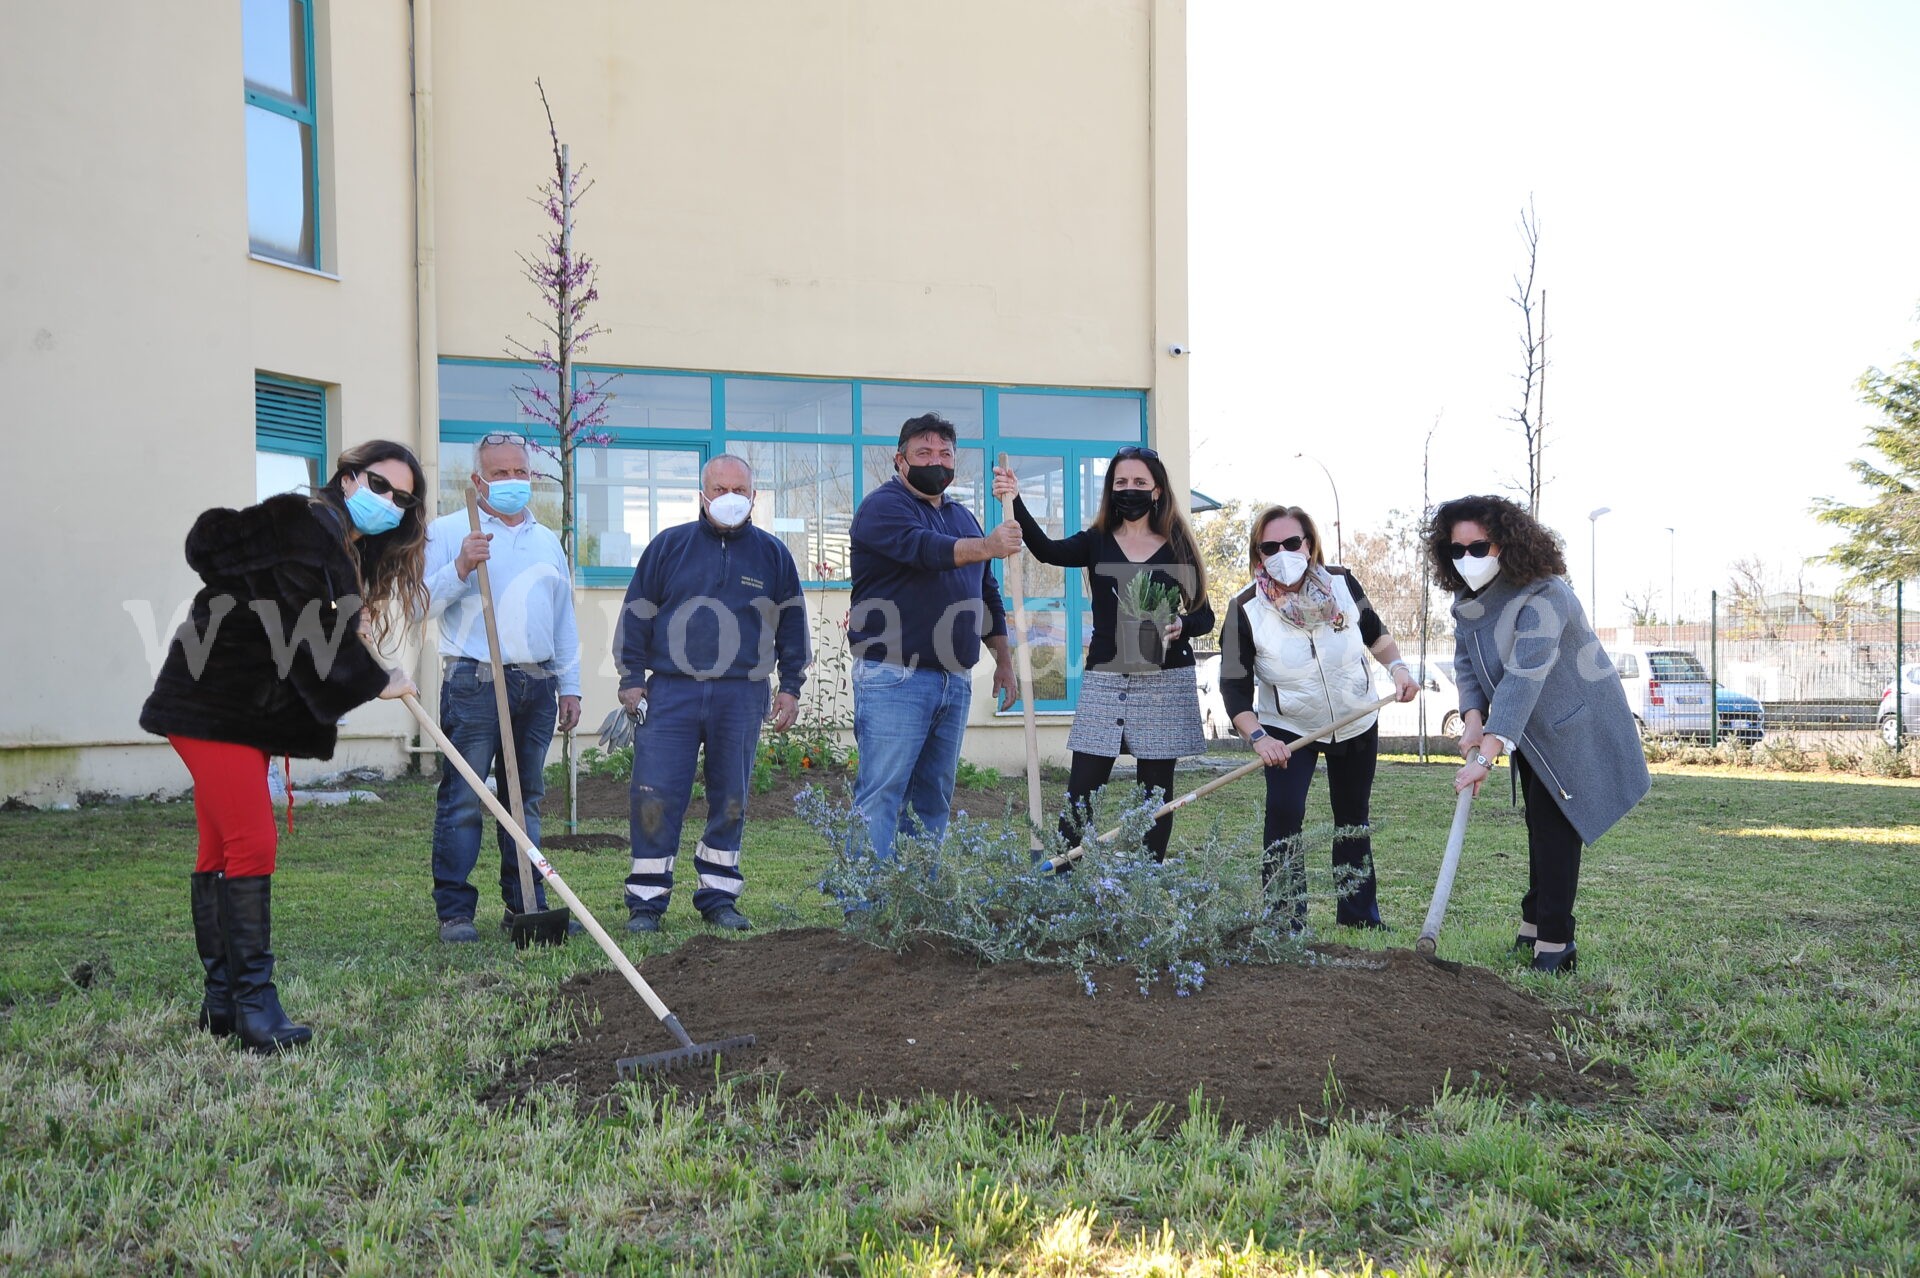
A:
x: 803, y: 494
x: 275, y: 473
x: 279, y: 186
x: 885, y: 409
x: 273, y: 37
x: 650, y: 401
x: 484, y: 393
x: 1093, y: 486
x: 456, y: 476
x: 1043, y: 492
x: 1070, y: 416
x: 969, y: 487
x: 812, y: 408
x: 627, y: 495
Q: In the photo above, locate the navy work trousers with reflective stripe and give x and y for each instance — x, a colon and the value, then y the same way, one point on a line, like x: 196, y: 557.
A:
x: 684, y: 714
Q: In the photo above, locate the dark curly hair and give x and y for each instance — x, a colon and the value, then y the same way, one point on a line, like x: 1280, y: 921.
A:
x: 1529, y: 550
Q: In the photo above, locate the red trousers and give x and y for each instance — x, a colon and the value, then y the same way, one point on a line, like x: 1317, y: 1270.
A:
x: 232, y: 806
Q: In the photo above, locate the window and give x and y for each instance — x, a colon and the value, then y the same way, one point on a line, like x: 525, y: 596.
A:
x: 818, y: 447
x: 626, y: 495
x: 803, y: 494
x: 289, y: 436
x: 283, y: 187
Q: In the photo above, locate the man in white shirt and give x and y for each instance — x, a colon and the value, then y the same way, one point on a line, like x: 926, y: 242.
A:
x: 540, y: 647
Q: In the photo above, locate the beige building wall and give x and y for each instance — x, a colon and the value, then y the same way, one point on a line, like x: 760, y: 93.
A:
x: 990, y: 192
x: 132, y: 321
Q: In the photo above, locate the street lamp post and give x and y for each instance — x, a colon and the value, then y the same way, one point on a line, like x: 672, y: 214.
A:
x: 1339, y: 547
x: 1673, y: 605
x: 1593, y: 561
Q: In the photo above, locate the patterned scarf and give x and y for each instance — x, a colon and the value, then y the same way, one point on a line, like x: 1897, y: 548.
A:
x: 1311, y: 605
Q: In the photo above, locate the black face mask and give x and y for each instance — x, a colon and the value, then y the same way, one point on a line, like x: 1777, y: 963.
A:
x: 1132, y: 503
x: 931, y: 480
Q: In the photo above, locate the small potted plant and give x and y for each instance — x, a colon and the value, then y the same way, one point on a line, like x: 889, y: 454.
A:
x: 1151, y: 604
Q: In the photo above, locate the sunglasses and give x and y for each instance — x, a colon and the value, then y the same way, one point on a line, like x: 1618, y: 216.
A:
x: 383, y: 488
x: 1136, y: 451
x: 1477, y: 549
x: 502, y: 437
x: 1275, y: 547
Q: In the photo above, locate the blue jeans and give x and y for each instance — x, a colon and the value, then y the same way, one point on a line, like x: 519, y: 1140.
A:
x: 907, y: 725
x: 468, y: 717
x: 684, y: 714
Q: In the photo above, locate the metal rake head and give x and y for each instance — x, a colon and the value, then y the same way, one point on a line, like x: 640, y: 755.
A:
x: 695, y: 1057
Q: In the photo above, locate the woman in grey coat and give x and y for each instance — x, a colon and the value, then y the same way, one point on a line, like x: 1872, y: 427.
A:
x: 1535, y: 683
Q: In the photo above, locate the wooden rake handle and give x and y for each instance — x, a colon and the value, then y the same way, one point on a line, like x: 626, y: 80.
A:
x: 539, y: 862
x: 1244, y: 770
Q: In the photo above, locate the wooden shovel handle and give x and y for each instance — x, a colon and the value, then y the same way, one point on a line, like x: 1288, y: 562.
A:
x: 502, y: 710
x: 1023, y: 664
x: 1244, y: 770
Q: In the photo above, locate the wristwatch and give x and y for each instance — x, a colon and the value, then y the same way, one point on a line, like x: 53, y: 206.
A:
x: 1482, y: 760
x: 1256, y: 735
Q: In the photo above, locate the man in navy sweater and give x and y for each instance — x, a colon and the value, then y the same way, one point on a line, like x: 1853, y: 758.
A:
x: 923, y: 601
x: 713, y: 608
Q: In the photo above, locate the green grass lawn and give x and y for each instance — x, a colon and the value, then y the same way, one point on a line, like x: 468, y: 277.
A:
x: 1749, y: 946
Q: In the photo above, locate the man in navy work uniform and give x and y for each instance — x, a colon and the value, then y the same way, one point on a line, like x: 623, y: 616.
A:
x: 923, y: 600
x: 540, y: 651
x: 713, y: 607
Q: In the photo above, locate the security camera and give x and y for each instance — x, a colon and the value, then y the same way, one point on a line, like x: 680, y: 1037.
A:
x: 1179, y: 348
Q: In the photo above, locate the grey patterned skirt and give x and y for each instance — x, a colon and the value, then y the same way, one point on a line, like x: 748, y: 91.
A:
x: 1156, y: 713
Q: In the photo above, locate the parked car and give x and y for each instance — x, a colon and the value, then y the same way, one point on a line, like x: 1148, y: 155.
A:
x: 1213, y: 710
x: 1668, y: 690
x: 1909, y: 712
x: 1742, y: 718
x: 1437, y: 693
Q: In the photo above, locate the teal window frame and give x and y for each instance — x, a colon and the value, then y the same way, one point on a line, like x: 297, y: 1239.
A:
x: 300, y: 114
x: 282, y: 432
x: 718, y: 439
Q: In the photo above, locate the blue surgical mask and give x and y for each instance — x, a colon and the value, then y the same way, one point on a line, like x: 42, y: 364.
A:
x: 509, y: 496
x: 372, y: 513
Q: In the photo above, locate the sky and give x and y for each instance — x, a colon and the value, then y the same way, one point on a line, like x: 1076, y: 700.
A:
x: 1729, y: 210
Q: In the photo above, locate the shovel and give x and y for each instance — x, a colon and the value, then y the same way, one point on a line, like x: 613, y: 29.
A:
x: 529, y: 926
x: 689, y: 1053
x: 1443, y: 889
x: 1023, y: 663
x: 1244, y: 770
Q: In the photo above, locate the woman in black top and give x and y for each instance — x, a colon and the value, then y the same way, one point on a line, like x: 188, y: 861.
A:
x: 1137, y: 695
x: 270, y: 659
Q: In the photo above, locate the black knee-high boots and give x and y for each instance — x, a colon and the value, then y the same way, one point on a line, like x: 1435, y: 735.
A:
x: 246, y: 913
x: 210, y: 938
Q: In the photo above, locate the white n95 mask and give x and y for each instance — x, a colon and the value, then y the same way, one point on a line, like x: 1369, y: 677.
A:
x: 1478, y: 572
x: 1287, y: 566
x: 730, y: 510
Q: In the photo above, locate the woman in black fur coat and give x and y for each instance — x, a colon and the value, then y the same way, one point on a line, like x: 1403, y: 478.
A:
x: 268, y: 662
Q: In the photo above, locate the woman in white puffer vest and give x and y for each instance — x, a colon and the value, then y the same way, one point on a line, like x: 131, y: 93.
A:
x: 1295, y: 657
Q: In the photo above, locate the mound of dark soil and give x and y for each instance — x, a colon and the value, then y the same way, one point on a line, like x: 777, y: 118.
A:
x: 840, y: 1018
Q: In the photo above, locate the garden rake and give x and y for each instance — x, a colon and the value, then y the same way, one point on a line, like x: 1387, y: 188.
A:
x: 1244, y: 770
x: 689, y: 1054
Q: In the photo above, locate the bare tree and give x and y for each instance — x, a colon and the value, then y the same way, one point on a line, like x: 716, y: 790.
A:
x: 1639, y: 605
x: 1530, y: 416
x: 1747, y: 591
